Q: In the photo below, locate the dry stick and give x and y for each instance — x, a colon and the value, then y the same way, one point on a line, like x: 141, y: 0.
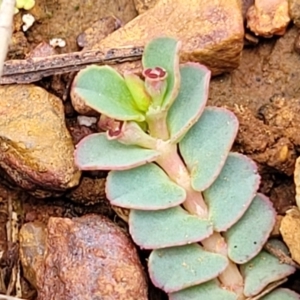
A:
x: 281, y: 255
x: 7, y: 10
x: 33, y: 69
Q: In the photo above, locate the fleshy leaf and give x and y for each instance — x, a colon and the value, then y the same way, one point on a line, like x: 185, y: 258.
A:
x: 281, y: 294
x: 164, y: 53
x: 147, y: 188
x: 247, y: 237
x: 137, y: 89
x: 96, y: 152
x: 190, y: 101
x: 176, y: 268
x: 264, y: 269
x: 167, y: 228
x: 104, y: 89
x: 232, y: 192
x: 207, y: 291
x: 206, y: 145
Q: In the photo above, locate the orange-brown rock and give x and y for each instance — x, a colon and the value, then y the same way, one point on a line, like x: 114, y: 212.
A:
x: 268, y: 17
x: 294, y: 11
x: 36, y: 149
x: 143, y: 5
x: 290, y: 231
x: 211, y: 32
x: 82, y: 258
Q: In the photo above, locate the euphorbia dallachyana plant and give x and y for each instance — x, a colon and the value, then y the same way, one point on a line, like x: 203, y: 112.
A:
x: 192, y: 201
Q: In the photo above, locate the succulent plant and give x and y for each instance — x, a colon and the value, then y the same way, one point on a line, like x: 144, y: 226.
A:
x: 192, y: 201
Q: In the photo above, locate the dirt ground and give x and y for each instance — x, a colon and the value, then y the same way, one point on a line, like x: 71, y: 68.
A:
x: 264, y: 93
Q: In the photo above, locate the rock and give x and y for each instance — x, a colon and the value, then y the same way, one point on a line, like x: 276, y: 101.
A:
x: 246, y: 4
x: 294, y: 10
x: 290, y: 231
x: 98, y: 31
x: 143, y: 5
x: 81, y: 107
x: 297, y: 181
x: 268, y: 18
x: 82, y: 258
x: 211, y: 32
x: 36, y: 149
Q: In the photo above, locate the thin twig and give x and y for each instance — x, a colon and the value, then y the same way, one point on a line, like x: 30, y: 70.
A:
x: 7, y: 10
x: 279, y: 253
x: 35, y: 68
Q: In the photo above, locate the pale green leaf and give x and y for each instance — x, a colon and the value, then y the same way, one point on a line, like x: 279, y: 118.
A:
x: 167, y: 228
x: 264, y: 269
x: 210, y: 290
x: 146, y: 187
x: 96, y: 152
x: 206, y: 145
x: 232, y: 192
x: 247, y: 237
x: 176, y: 268
x: 190, y: 101
x: 104, y: 89
x: 164, y: 53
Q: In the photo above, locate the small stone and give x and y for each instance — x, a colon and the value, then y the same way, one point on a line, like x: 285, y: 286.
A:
x: 290, y: 231
x: 43, y: 49
x: 80, y: 106
x: 57, y: 42
x: 98, y: 31
x: 86, y: 121
x: 81, y: 258
x: 28, y: 21
x: 268, y: 18
x: 297, y: 181
x: 294, y: 10
x: 36, y: 149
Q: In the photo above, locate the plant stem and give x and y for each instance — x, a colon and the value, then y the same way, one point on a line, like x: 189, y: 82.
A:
x: 231, y: 277
x: 173, y: 165
x: 157, y: 123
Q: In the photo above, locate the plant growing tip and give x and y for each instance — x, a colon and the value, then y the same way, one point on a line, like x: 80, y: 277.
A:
x: 138, y: 91
x: 156, y: 84
x: 191, y: 200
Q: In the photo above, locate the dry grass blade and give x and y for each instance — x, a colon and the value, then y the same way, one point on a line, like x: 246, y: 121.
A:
x: 7, y: 10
